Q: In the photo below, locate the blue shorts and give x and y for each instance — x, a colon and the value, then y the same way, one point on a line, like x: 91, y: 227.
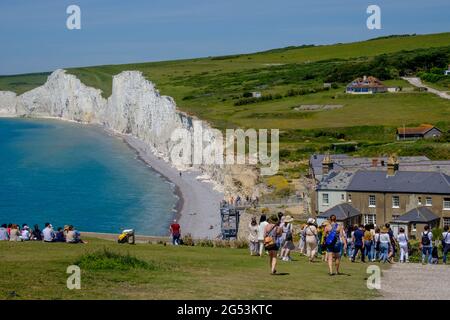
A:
x: 336, y: 248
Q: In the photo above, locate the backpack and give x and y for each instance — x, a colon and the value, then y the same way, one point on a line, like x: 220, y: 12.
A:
x: 269, y: 241
x: 332, y: 236
x: 425, y: 239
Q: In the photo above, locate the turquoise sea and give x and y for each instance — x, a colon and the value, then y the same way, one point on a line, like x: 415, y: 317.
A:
x: 68, y: 173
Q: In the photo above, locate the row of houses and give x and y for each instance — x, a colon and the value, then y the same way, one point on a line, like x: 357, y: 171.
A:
x: 406, y: 192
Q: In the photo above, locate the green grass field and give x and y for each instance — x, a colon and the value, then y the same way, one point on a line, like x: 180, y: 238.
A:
x: 36, y: 270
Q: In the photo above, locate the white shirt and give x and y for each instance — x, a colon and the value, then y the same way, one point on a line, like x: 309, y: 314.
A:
x: 261, y: 232
x: 48, y: 234
x: 446, y: 237
x: 384, y: 238
x: 25, y: 234
x: 402, y: 239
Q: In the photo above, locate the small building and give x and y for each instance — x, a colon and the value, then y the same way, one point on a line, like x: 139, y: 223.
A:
x: 393, y: 89
x: 424, y: 131
x: 327, y: 85
x: 447, y: 72
x: 414, y: 221
x: 345, y: 215
x: 366, y: 85
x: 256, y: 94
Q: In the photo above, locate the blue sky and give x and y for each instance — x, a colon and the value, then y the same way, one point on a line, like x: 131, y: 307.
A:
x: 34, y: 37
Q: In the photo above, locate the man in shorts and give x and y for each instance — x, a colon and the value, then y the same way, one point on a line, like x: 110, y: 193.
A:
x: 335, y: 247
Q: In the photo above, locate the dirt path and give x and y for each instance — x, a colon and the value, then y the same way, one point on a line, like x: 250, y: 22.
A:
x: 418, y: 83
x: 416, y: 281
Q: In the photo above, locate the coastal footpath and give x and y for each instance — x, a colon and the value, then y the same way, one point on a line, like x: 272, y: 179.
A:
x: 145, y: 120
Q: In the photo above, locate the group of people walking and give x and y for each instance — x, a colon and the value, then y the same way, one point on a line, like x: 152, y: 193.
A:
x: 13, y: 232
x: 332, y: 241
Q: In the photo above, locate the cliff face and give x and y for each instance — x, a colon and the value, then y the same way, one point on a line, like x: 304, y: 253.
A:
x: 135, y: 107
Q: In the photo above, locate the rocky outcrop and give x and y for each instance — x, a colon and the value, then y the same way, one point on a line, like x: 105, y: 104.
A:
x: 135, y: 108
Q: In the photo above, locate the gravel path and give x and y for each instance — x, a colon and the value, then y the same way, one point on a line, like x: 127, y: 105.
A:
x: 418, y: 83
x: 414, y: 281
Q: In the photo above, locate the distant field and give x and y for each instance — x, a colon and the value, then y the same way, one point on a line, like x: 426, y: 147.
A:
x: 38, y: 271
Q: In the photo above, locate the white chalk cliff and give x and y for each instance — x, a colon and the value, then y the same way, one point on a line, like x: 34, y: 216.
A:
x: 135, y: 108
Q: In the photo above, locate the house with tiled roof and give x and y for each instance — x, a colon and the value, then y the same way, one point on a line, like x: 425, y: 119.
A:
x: 366, y: 85
x: 424, y: 131
x: 403, y: 198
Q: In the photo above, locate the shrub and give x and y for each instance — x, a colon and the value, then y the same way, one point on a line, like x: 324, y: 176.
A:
x: 188, y: 240
x: 108, y: 260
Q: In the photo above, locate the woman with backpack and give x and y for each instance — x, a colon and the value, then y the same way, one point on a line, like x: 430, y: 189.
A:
x: 426, y: 244
x: 311, y: 239
x: 402, y: 239
x: 334, y: 239
x: 271, y: 234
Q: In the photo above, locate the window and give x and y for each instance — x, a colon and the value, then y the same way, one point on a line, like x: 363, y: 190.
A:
x: 395, y: 216
x: 446, y: 222
x: 342, y: 197
x: 395, y: 202
x: 419, y: 201
x: 414, y: 228
x: 428, y: 202
x: 325, y: 199
x: 349, y: 198
x: 370, y: 218
x: 446, y: 203
x: 372, y: 201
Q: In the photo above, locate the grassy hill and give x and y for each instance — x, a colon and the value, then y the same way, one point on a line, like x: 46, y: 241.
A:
x: 216, y: 89
x: 36, y: 270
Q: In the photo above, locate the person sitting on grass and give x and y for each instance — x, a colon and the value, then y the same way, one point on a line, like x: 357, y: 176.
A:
x: 37, y: 233
x: 14, y: 234
x: 59, y: 237
x: 25, y: 234
x: 4, y: 236
x: 48, y: 233
x: 73, y: 235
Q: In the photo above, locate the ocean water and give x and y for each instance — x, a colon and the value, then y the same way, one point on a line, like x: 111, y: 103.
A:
x: 68, y: 173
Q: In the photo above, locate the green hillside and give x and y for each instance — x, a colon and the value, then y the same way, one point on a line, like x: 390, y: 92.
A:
x: 217, y: 89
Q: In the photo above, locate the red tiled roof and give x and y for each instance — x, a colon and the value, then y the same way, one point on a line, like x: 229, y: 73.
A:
x: 368, y: 82
x: 422, y: 129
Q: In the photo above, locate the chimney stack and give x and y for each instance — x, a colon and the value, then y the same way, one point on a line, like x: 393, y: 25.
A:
x: 392, y: 165
x: 327, y: 164
x: 374, y: 162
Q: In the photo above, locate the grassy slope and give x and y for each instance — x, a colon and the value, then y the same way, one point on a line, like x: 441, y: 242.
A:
x: 209, y: 87
x: 38, y: 271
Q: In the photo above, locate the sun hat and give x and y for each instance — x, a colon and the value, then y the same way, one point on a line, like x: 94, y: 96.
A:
x: 273, y: 219
x: 311, y: 221
x: 384, y: 230
x: 288, y: 219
